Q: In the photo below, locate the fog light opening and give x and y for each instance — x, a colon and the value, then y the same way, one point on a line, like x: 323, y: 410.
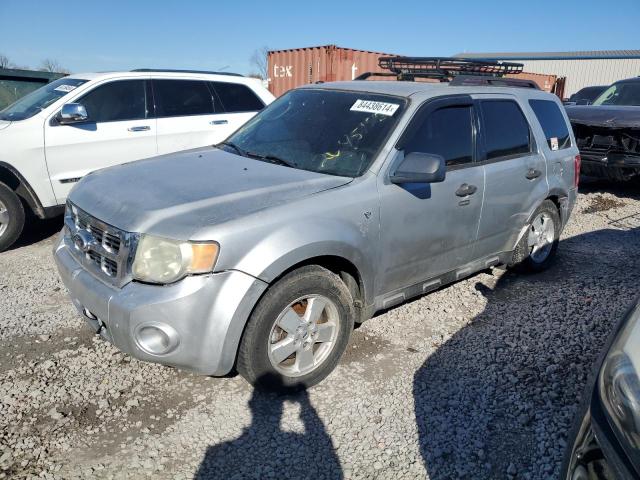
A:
x: 156, y: 339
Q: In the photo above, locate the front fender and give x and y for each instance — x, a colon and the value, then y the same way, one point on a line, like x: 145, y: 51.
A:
x: 283, y: 248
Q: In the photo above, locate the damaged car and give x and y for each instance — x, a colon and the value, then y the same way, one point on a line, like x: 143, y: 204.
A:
x: 608, y: 132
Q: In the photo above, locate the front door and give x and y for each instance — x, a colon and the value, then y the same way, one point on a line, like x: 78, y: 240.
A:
x: 119, y: 130
x: 430, y: 229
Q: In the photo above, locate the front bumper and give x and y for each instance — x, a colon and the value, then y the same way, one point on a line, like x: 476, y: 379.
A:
x: 595, y: 452
x: 203, y: 315
x: 612, y: 165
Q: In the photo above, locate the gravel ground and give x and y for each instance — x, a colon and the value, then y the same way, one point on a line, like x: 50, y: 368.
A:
x: 480, y: 379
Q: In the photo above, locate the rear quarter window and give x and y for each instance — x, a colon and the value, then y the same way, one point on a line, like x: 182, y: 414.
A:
x: 506, y: 130
x: 237, y: 98
x: 552, y: 122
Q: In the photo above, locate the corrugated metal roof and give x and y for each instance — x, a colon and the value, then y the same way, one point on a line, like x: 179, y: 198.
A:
x: 579, y: 55
x: 326, y: 46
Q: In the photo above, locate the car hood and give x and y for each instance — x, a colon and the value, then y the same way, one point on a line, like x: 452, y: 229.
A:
x: 175, y: 195
x: 605, y: 115
x: 4, y: 124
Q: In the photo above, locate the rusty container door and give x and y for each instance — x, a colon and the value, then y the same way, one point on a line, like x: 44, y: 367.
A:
x: 545, y: 82
x: 301, y: 66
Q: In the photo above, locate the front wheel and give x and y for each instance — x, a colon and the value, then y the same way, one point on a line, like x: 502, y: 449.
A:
x: 537, y: 248
x: 298, y: 331
x: 11, y: 217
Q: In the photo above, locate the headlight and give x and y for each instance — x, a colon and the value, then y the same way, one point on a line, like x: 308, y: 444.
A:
x: 619, y: 384
x: 160, y: 260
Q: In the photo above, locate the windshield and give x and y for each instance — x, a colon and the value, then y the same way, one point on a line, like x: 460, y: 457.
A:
x: 620, y: 94
x: 40, y: 99
x: 327, y: 131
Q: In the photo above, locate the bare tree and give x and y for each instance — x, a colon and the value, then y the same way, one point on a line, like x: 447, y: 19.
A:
x: 259, y: 62
x: 4, y: 61
x: 51, y: 65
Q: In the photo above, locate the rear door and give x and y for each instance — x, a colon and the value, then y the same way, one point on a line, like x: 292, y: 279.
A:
x: 239, y: 102
x: 429, y: 229
x: 515, y: 173
x: 120, y: 129
x: 188, y: 113
x: 558, y: 147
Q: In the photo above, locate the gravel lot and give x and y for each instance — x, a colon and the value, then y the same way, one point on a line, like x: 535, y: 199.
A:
x: 477, y: 380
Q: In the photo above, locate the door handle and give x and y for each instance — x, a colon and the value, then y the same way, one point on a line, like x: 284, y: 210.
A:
x: 143, y: 128
x: 218, y: 122
x: 533, y: 173
x: 466, y: 189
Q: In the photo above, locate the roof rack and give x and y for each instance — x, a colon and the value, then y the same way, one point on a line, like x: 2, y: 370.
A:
x: 441, y: 68
x: 471, y: 80
x: 169, y: 70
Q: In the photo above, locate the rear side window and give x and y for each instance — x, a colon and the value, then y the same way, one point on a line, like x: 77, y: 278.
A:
x: 553, y: 123
x: 179, y: 98
x: 447, y: 132
x: 236, y: 97
x: 506, y: 131
x: 116, y: 101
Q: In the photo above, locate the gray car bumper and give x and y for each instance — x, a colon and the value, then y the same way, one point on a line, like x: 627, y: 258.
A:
x: 201, y: 317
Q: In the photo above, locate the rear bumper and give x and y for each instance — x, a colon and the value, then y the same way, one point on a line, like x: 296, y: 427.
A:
x: 202, y: 316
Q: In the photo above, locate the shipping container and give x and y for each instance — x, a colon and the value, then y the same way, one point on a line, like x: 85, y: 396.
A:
x: 300, y: 66
x: 15, y: 84
x: 294, y: 67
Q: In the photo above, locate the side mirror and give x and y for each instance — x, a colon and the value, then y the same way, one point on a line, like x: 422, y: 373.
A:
x: 583, y: 101
x: 73, y: 112
x: 417, y: 167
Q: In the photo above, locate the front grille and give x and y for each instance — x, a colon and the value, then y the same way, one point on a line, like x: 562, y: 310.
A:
x: 104, y: 250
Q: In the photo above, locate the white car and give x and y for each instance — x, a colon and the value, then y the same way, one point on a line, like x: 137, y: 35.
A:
x: 56, y: 135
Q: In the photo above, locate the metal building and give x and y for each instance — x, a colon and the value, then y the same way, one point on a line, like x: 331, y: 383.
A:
x: 581, y: 69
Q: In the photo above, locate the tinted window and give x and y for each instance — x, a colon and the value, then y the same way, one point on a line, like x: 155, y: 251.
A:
x: 177, y: 98
x: 506, y: 131
x: 446, y: 132
x: 237, y: 98
x: 552, y: 123
x: 116, y: 101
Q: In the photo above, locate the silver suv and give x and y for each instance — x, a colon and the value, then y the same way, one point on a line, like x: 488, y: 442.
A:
x: 334, y: 202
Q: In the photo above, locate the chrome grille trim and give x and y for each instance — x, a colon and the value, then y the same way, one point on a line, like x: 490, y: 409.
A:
x: 105, y: 251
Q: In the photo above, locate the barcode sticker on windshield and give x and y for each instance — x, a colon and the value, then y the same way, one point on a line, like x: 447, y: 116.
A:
x: 554, y: 143
x: 369, y: 106
x: 65, y: 88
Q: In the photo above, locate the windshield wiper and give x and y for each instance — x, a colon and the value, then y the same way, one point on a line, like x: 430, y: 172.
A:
x: 240, y: 151
x: 271, y: 158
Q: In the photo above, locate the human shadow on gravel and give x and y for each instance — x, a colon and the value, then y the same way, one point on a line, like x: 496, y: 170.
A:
x: 265, y: 451
x: 497, y: 399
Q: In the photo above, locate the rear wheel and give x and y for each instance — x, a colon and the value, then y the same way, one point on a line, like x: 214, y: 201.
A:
x: 298, y: 331
x: 537, y: 248
x: 11, y: 217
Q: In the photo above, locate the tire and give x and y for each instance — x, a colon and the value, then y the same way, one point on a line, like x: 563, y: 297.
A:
x: 11, y: 217
x: 537, y: 258
x: 277, y: 326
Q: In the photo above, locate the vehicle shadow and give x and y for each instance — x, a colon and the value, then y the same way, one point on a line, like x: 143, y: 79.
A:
x: 622, y: 190
x: 498, y: 398
x: 37, y: 230
x: 264, y: 450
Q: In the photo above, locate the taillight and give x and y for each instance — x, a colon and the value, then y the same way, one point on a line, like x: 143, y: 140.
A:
x: 576, y: 169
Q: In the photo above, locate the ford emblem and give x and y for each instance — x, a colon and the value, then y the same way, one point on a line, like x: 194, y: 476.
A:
x: 83, y: 240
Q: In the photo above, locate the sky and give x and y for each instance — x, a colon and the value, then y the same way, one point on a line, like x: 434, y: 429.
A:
x: 212, y: 35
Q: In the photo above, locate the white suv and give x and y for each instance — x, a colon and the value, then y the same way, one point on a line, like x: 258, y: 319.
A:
x: 56, y: 135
